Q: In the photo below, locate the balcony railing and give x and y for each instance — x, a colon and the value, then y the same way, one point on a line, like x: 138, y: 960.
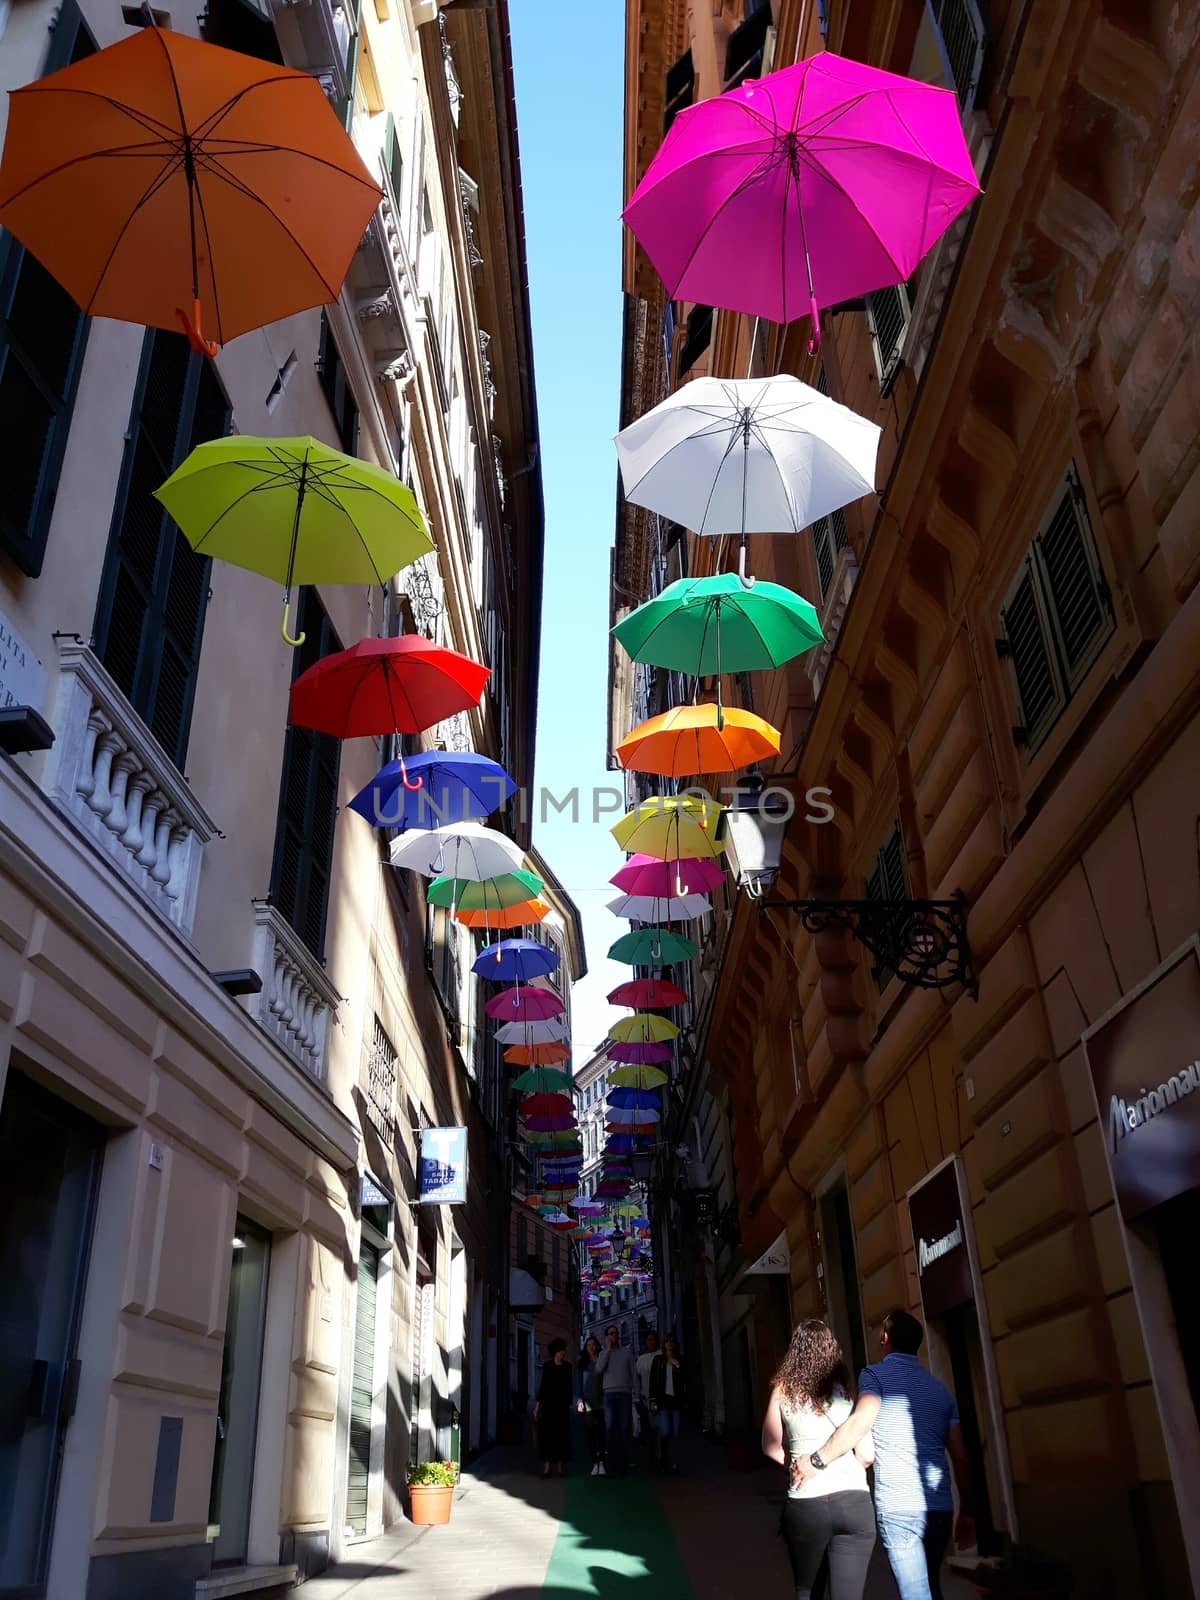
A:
x: 297, y: 1001
x: 108, y: 770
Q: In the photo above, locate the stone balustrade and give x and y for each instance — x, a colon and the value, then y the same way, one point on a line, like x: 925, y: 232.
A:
x: 297, y: 1000
x: 108, y: 770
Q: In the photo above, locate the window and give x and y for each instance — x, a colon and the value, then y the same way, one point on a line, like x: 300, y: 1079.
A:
x: 962, y: 37
x: 681, y: 88
x: 153, y: 595
x: 240, y: 25
x: 698, y: 337
x: 823, y: 17
x: 888, y: 877
x: 336, y: 383
x: 888, y: 311
x: 347, y: 17
x: 744, y: 51
x: 307, y: 799
x: 393, y: 160
x: 381, y: 1081
x: 829, y: 538
x: 42, y: 338
x: 1056, y: 617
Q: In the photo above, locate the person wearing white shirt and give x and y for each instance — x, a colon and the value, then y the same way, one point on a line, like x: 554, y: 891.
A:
x: 644, y: 1363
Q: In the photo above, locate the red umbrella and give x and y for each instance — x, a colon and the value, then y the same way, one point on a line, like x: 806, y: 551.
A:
x: 386, y: 686
x: 648, y: 994
x: 546, y: 1105
x: 649, y: 876
x: 525, y: 1005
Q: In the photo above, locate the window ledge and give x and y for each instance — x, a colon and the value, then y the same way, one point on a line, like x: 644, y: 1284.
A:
x: 297, y: 1001
x: 110, y: 772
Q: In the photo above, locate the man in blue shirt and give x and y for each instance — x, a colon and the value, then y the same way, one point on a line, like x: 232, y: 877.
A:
x: 913, y: 1419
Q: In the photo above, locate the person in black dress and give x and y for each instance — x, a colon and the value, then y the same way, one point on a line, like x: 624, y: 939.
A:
x: 552, y: 1409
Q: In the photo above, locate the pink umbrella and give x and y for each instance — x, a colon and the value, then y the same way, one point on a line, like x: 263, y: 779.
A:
x: 640, y: 1055
x: 648, y: 994
x: 644, y: 875
x: 816, y: 184
x: 525, y: 1005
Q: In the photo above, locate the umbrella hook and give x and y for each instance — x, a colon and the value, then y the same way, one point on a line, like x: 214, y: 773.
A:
x: 744, y: 578
x: 195, y: 337
x: 404, y: 778
x: 814, y: 344
x: 283, y: 626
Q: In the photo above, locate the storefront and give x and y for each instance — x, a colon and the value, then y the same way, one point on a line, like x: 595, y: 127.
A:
x: 1144, y: 1060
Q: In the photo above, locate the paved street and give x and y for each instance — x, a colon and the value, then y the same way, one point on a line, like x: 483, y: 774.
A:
x: 709, y: 1535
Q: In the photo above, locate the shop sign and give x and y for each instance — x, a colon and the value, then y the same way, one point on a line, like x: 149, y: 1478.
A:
x: 22, y: 675
x: 939, y: 1229
x: 425, y: 1330
x: 371, y: 1194
x: 1145, y: 1064
x: 443, y: 1167
x: 775, y: 1260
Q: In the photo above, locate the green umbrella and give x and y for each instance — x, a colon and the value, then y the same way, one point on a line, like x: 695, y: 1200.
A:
x: 566, y: 1140
x: 652, y: 947
x: 543, y: 1080
x: 296, y: 511
x: 712, y: 625
x: 484, y: 894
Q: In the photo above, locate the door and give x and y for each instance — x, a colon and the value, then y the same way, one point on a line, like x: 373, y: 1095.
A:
x: 362, y: 1389
x: 963, y: 1344
x: 49, y: 1168
x: 237, y: 1409
x: 841, y: 1282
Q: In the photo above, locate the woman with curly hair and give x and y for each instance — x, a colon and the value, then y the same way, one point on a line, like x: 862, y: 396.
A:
x: 830, y: 1514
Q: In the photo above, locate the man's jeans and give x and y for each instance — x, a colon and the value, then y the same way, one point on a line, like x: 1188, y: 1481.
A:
x: 618, y: 1421
x: 916, y: 1543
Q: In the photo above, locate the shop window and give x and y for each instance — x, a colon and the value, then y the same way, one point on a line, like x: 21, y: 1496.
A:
x: 307, y: 799
x: 1056, y: 617
x: 335, y: 381
x: 154, y: 591
x: 829, y: 539
x: 888, y: 313
x: 681, y: 88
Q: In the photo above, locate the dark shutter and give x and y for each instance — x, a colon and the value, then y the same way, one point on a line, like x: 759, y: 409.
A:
x: 829, y: 537
x: 681, y: 88
x: 336, y: 384
x: 888, y: 879
x: 362, y: 1389
x: 887, y: 310
x: 963, y: 34
x: 150, y: 617
x: 744, y: 51
x: 1041, y: 694
x: 307, y: 800
x: 697, y: 337
x: 241, y: 26
x: 393, y: 160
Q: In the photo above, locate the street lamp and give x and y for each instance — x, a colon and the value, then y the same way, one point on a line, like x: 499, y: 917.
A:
x: 921, y: 942
x: 641, y: 1164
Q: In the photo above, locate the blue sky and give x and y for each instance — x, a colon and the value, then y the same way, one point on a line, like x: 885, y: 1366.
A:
x: 570, y: 88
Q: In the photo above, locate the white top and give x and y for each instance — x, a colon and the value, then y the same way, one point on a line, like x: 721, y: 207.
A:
x: 644, y: 1363
x: 806, y: 1430
x: 670, y: 1379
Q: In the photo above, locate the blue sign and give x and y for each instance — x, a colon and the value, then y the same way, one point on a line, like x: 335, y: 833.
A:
x: 443, y: 1167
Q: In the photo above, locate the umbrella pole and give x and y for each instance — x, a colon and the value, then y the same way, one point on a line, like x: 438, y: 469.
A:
x: 387, y: 679
x: 720, y: 707
x: 191, y: 325
x: 291, y: 566
x: 746, y: 581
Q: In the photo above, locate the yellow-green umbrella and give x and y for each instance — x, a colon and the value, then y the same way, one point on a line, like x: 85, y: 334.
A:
x: 637, y: 1078
x: 670, y: 827
x: 642, y: 1028
x: 296, y: 511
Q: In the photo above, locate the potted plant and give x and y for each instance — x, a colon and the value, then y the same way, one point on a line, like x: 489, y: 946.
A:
x: 431, y: 1490
x: 1022, y: 1574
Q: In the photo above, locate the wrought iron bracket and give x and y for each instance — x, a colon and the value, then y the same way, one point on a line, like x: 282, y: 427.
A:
x: 921, y: 942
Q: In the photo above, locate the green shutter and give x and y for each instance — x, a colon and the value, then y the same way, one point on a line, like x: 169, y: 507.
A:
x: 393, y: 160
x: 1041, y: 693
x: 362, y: 1389
x: 1079, y: 606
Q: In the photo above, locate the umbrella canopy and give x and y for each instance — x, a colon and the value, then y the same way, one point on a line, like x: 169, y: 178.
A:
x: 552, y: 1141
x: 641, y: 1029
x: 515, y: 960
x: 432, y: 789
x: 663, y: 907
x: 652, y: 947
x: 630, y: 1143
x: 649, y: 877
x: 552, y: 1031
x: 379, y: 686
x: 698, y: 739
x: 637, y: 1052
x: 295, y: 510
x: 164, y: 180
x: 637, y: 1078
x: 635, y: 1099
x: 545, y: 1105
x: 716, y: 625
x: 536, y: 1004
x: 484, y: 894
x: 671, y: 827
x: 542, y: 1080
x: 814, y: 185
x: 648, y: 994
x: 524, y: 914
x: 466, y: 851
x: 554, y: 1124
x: 620, y: 1119
x: 537, y: 1055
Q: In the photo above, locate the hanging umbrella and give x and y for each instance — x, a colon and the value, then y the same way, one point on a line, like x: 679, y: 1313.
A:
x: 635, y: 1099
x: 551, y: 1141
x: 552, y: 1031
x: 545, y: 1105
x: 630, y: 1143
x: 715, y: 625
x: 515, y: 960
x: 636, y: 1052
x: 466, y: 851
x: 648, y: 994
x: 652, y: 947
x: 691, y: 740
x: 537, y: 1055
x: 166, y: 181
x: 640, y: 1029
x: 817, y: 184
x: 542, y: 1080
x: 620, y: 1120
x: 484, y: 894
x: 671, y: 827
x: 519, y: 1004
x: 667, y: 907
x: 637, y: 1078
x: 553, y: 1124
x: 647, y: 876
x: 379, y: 686
x: 433, y: 789
x: 524, y: 914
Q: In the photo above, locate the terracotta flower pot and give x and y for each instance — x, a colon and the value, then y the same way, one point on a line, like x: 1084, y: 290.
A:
x: 430, y: 1502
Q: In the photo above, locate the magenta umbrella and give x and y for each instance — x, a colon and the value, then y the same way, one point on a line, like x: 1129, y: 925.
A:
x: 637, y: 1054
x: 646, y: 875
x: 813, y: 185
x: 525, y: 1005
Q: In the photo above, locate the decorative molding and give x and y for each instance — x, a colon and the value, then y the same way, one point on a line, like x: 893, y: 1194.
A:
x: 297, y: 999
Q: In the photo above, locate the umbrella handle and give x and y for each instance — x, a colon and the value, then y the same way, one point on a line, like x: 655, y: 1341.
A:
x: 191, y: 326
x: 743, y: 577
x: 283, y: 626
x: 814, y: 344
x: 411, y: 787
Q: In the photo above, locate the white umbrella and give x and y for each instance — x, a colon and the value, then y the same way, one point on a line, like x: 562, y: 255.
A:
x: 467, y: 850
x: 650, y: 908
x: 550, y: 1032
x: 750, y: 455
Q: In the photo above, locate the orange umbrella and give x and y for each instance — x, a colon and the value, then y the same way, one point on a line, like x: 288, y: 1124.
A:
x: 165, y: 180
x: 537, y: 1055
x: 526, y: 914
x: 695, y: 739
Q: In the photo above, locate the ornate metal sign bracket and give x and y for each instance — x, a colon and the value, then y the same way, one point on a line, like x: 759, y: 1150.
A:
x: 921, y: 942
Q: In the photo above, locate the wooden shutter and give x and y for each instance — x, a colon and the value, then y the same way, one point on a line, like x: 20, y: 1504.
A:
x: 1041, y: 693
x: 829, y: 537
x: 1079, y: 605
x: 963, y: 33
x: 888, y: 879
x: 681, y: 87
x: 307, y: 800
x: 150, y: 617
x: 332, y: 371
x: 393, y: 161
x: 362, y: 1389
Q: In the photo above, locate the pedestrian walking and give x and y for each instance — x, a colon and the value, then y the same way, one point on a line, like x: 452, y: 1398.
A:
x: 616, y: 1367
x: 644, y: 1426
x: 667, y: 1389
x: 828, y: 1515
x: 913, y: 1419
x: 591, y: 1404
x: 552, y: 1410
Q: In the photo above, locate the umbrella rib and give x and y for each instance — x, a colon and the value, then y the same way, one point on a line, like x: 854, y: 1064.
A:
x: 156, y: 183
x: 769, y: 160
x: 217, y: 168
x: 142, y: 118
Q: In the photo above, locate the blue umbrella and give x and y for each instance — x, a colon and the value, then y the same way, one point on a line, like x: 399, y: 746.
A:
x: 515, y: 961
x: 635, y: 1099
x: 434, y: 789
x: 625, y: 1144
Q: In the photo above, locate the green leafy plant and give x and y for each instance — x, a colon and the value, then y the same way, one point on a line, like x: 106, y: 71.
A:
x: 434, y: 1474
x: 1020, y: 1570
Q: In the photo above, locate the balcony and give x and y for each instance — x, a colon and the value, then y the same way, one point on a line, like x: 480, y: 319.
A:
x: 108, y: 770
x: 297, y: 1001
